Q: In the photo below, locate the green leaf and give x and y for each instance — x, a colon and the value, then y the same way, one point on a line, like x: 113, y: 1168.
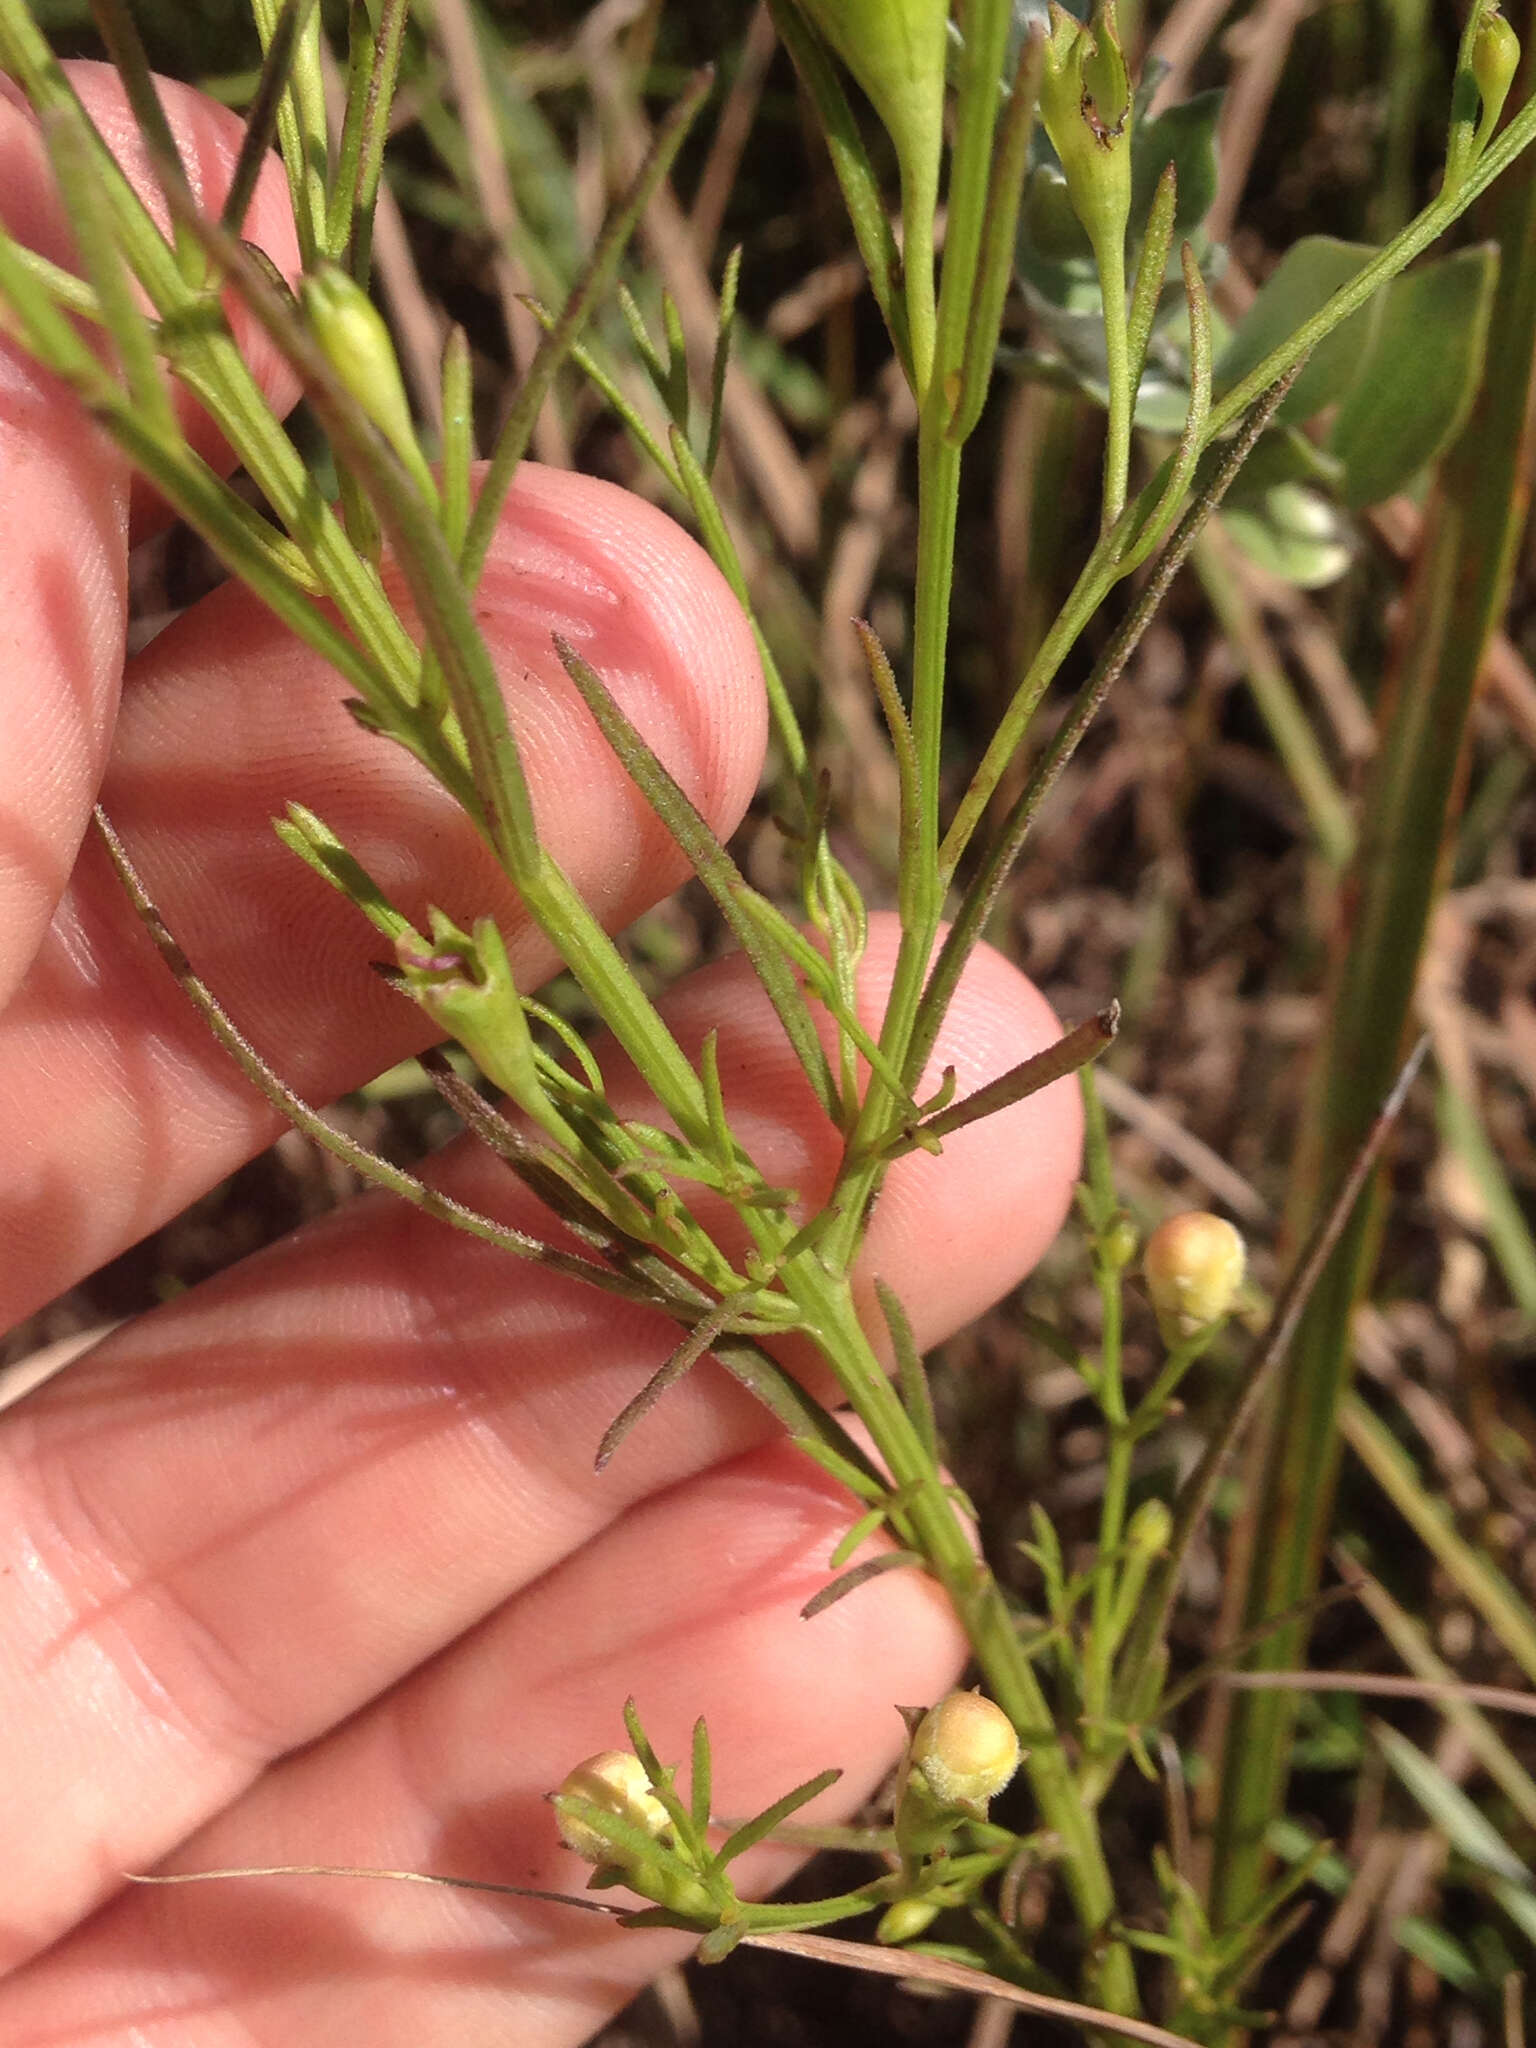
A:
x: 701, y: 1782
x: 1417, y: 381
x: 1301, y: 284
x: 1294, y: 533
x: 1184, y: 136
x: 1449, y: 1808
x: 1440, y: 1951
x: 751, y: 1832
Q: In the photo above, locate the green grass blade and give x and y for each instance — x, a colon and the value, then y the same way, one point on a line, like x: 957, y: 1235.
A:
x: 1474, y: 524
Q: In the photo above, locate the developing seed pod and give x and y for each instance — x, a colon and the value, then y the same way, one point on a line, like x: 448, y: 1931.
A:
x: 616, y: 1781
x: 355, y: 342
x: 1194, y: 1266
x: 965, y: 1750
x: 896, y: 50
x: 1086, y: 106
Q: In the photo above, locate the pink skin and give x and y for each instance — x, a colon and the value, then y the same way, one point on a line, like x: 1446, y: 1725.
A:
x: 312, y: 1564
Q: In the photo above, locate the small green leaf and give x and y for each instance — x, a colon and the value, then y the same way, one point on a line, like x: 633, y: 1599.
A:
x: 1449, y: 1808
x: 751, y: 1832
x: 1440, y: 1951
x: 1306, y: 277
x: 1419, y: 376
x: 860, y: 1575
x: 1184, y: 136
x: 1294, y: 533
x: 701, y: 1782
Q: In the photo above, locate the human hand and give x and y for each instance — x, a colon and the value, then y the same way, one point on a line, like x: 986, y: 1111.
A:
x: 312, y: 1563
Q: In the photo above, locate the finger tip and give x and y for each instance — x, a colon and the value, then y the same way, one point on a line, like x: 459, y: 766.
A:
x: 640, y: 601
x: 208, y: 136
x: 987, y: 1207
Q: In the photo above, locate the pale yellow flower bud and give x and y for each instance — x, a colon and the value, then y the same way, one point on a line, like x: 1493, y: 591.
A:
x: 906, y: 1920
x: 965, y: 1750
x: 1194, y: 1266
x: 616, y: 1781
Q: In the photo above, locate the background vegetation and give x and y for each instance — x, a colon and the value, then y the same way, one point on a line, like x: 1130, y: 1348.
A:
x: 1238, y: 854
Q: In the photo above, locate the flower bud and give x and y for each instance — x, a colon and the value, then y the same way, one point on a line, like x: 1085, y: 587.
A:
x: 1495, y: 60
x: 616, y: 1781
x: 1085, y: 105
x: 1118, y: 1243
x: 906, y: 1920
x: 355, y: 342
x: 965, y: 1750
x: 1150, y: 1529
x: 1194, y: 1267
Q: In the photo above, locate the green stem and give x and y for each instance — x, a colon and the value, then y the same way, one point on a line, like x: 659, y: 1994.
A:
x: 929, y: 1523
x: 939, y: 457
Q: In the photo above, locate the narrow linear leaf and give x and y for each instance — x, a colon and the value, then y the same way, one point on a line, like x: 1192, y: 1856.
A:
x: 856, y: 1537
x: 919, y: 1967
x: 626, y: 1837
x: 682, y: 1361
x: 360, y: 158
x: 751, y: 1832
x: 714, y: 867
x: 302, y: 133
x: 862, y: 1483
x: 1192, y: 440
x: 1152, y: 269
x: 916, y: 1395
x: 855, y: 174
x: 701, y: 1778
x: 861, y: 1574
x: 910, y: 881
x: 640, y: 1743
x: 512, y: 442
x: 126, y: 52
x: 676, y: 394
x: 104, y: 266
x: 458, y: 456
x: 1073, y: 1051
x: 261, y: 114
x: 461, y: 1884
x: 646, y: 349
x: 999, y: 239
x: 725, y: 329
x: 615, y: 399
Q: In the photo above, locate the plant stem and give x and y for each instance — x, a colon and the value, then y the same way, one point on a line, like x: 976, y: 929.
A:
x: 1109, y: 1389
x: 930, y: 1524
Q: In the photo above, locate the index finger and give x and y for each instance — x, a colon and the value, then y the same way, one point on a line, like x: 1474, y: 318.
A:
x: 64, y: 512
